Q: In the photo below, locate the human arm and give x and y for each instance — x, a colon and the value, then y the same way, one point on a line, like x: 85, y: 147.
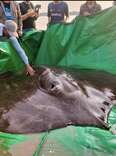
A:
x: 66, y: 11
x: 33, y: 12
x: 19, y: 19
x: 98, y: 8
x: 22, y: 54
x: 1, y: 13
x: 1, y: 29
x: 49, y: 14
x: 49, y: 20
x: 30, y: 13
x: 85, y: 13
x: 19, y: 49
x: 36, y: 8
x: 114, y: 3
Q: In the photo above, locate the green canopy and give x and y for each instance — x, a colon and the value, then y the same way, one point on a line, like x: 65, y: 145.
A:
x: 87, y: 42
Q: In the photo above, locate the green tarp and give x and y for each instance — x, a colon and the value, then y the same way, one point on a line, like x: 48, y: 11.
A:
x: 10, y: 60
x: 88, y: 42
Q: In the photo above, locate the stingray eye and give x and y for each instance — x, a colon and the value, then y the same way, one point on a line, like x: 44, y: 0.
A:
x: 106, y: 103
x: 47, y: 84
x: 53, y: 85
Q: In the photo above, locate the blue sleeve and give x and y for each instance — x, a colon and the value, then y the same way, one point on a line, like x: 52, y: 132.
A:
x: 19, y: 49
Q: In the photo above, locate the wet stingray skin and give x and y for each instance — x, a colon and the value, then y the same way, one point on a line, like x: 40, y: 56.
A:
x: 55, y: 98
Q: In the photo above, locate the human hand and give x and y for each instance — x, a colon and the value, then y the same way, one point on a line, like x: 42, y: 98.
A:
x: 36, y: 15
x: 31, y: 13
x: 30, y: 70
x: 86, y: 14
x: 20, y: 33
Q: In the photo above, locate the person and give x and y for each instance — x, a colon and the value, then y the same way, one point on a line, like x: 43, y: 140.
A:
x: 9, y: 10
x: 114, y: 3
x: 11, y: 27
x: 58, y: 12
x: 10, y: 31
x: 90, y: 8
x: 29, y: 14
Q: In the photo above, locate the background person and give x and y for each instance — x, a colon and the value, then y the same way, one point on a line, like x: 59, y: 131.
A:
x: 90, y: 8
x: 114, y: 3
x: 58, y: 12
x: 11, y: 27
x: 9, y: 10
x: 29, y: 14
x: 10, y: 31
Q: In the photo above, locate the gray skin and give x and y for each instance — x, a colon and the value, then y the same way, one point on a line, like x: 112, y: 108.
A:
x: 58, y: 101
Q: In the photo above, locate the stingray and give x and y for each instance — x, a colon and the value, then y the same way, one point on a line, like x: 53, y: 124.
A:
x: 56, y: 98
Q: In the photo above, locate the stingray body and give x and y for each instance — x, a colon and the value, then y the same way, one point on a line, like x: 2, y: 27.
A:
x: 56, y: 98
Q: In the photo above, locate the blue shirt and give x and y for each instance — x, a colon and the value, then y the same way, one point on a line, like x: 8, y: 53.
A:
x: 8, y: 11
x: 57, y: 11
